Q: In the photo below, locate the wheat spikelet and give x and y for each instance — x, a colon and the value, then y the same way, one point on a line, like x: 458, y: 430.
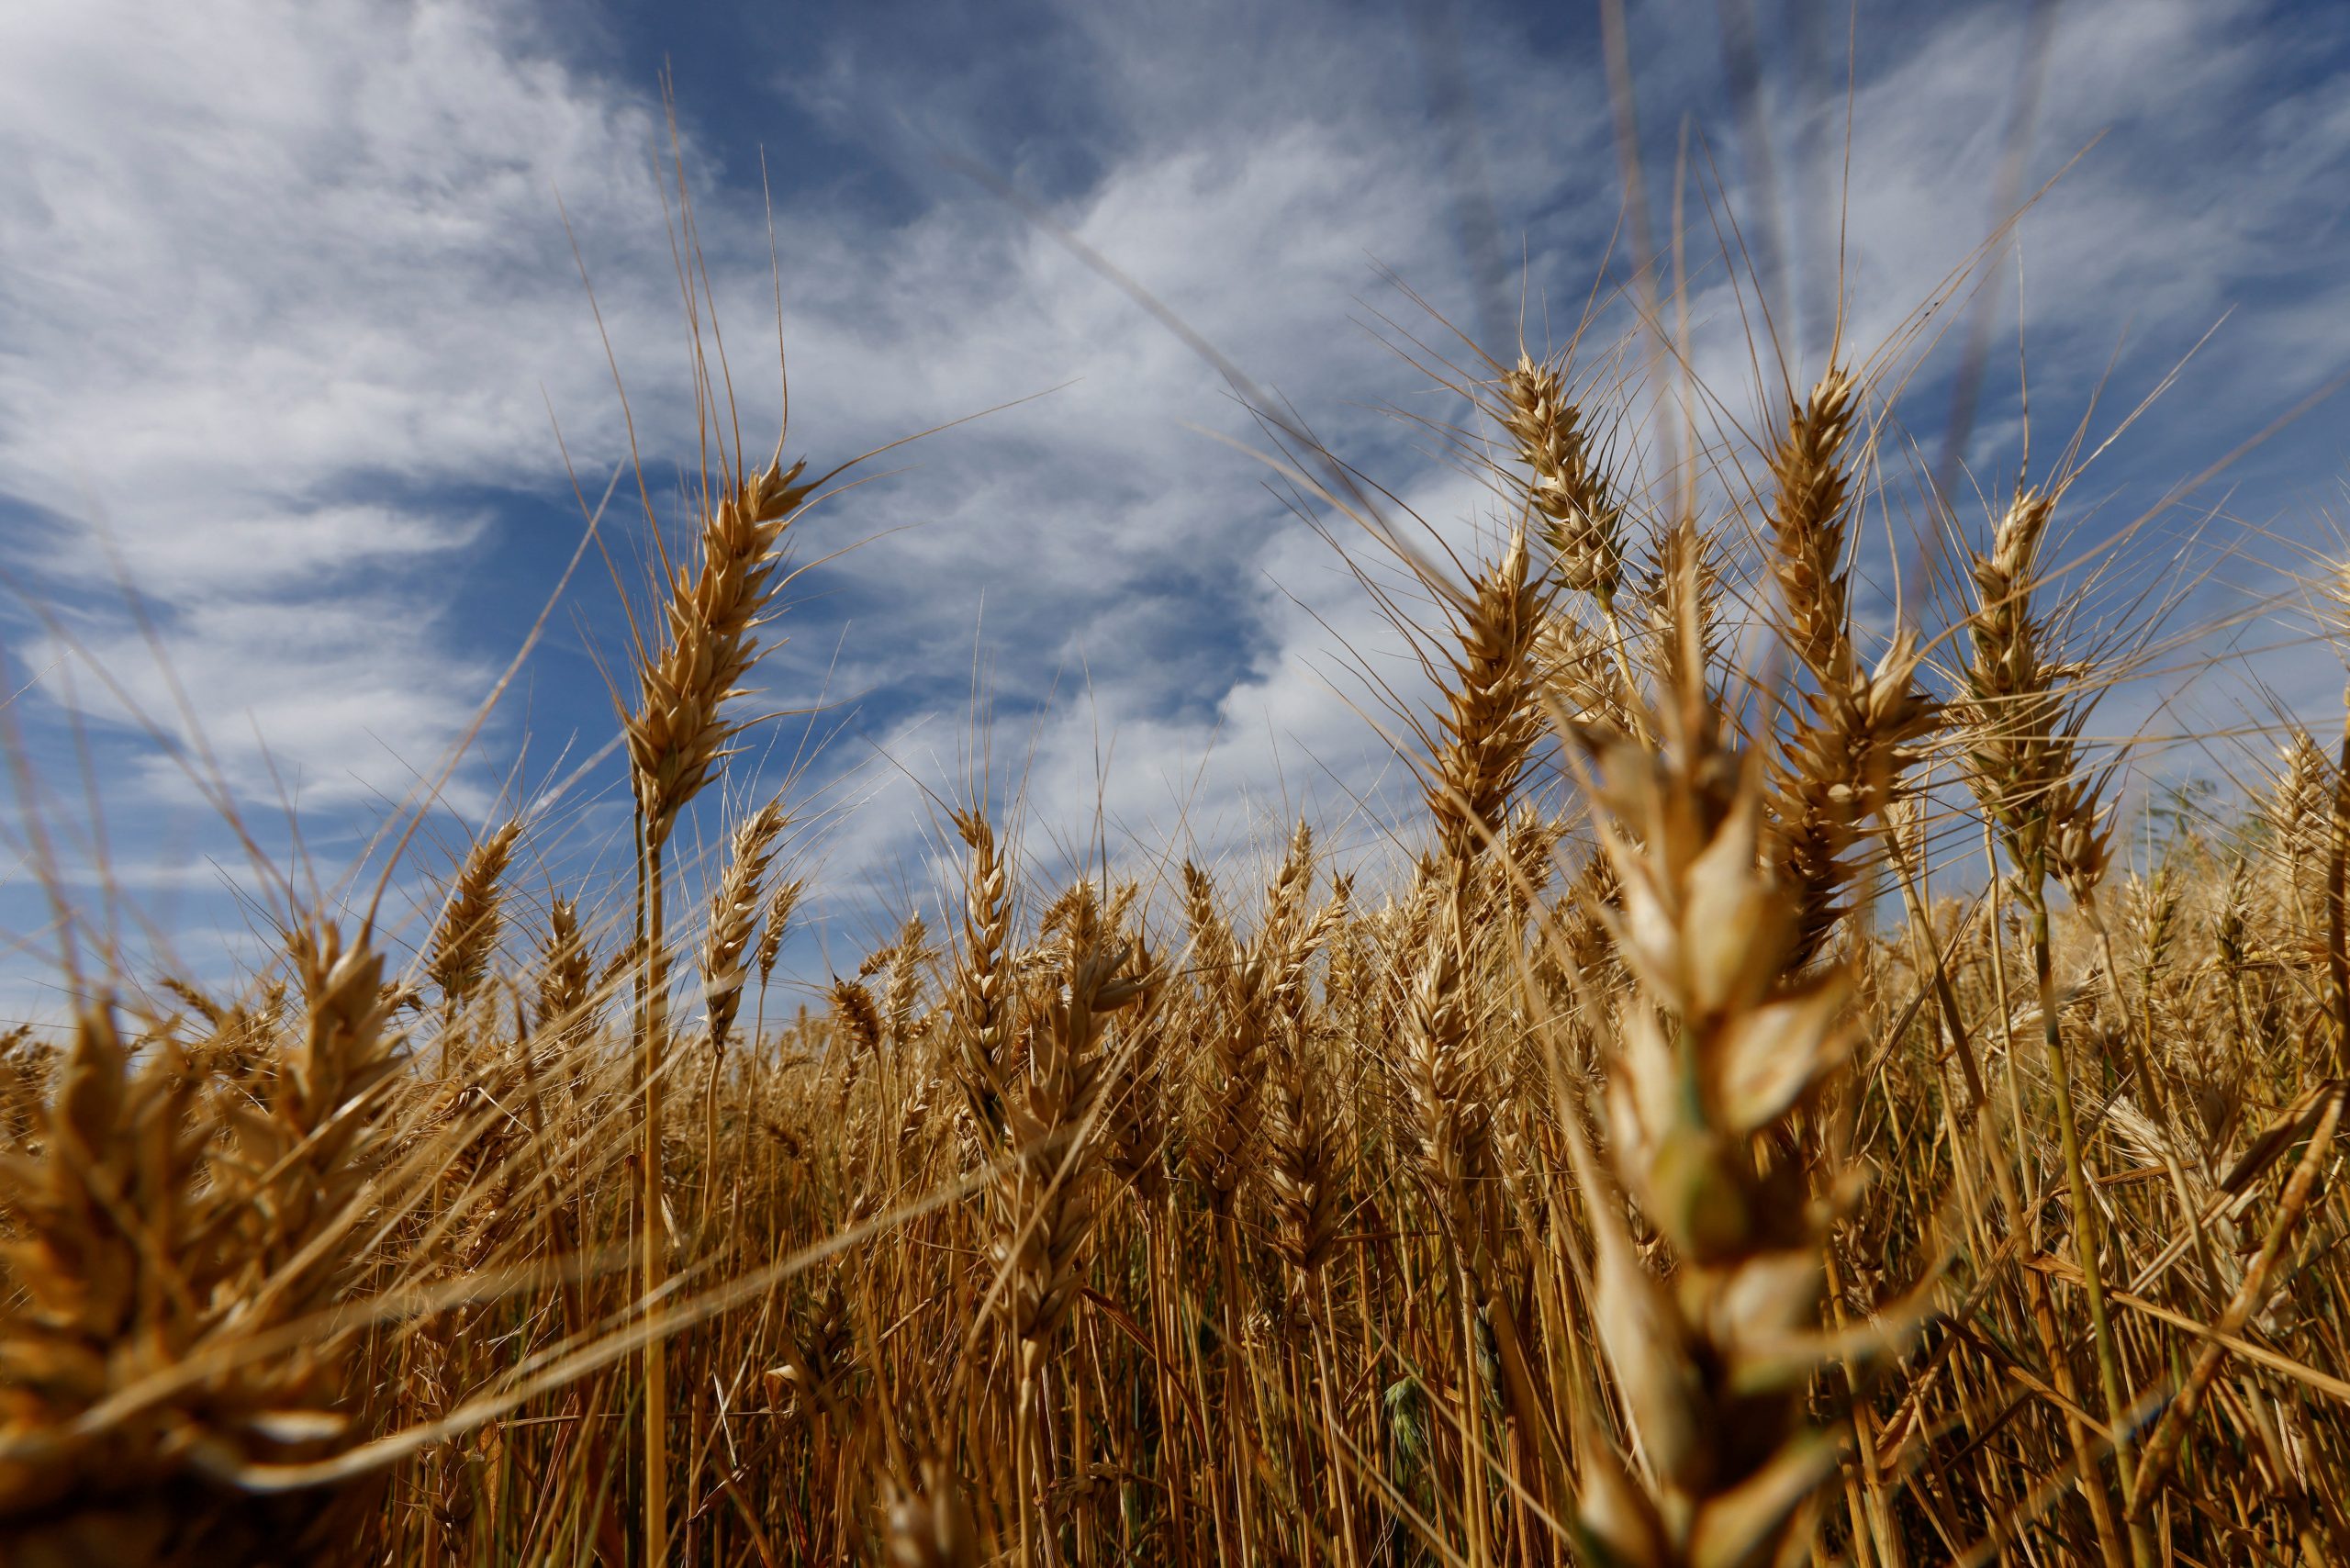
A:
x: 1445, y: 1086
x: 675, y: 733
x: 1807, y: 527
x: 2021, y: 726
x: 1841, y: 767
x: 1581, y: 522
x: 1303, y: 1166
x: 1133, y: 1138
x: 902, y: 992
x: 1721, y: 1043
x: 1853, y: 734
x: 2296, y: 811
x: 1491, y: 723
x: 982, y: 1021
x: 1486, y: 735
x: 734, y: 910
x: 466, y: 936
x: 142, y: 1243
x: 1679, y: 591
x: 1046, y: 1194
x: 311, y: 1161
x: 120, y: 1164
x: 1233, y: 1020
x: 859, y: 1019
x: 567, y: 983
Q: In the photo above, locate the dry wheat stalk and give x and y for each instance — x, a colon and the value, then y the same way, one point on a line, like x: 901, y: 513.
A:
x: 676, y: 734
x: 677, y: 738
x: 2021, y: 727
x: 1482, y: 745
x: 1043, y: 1194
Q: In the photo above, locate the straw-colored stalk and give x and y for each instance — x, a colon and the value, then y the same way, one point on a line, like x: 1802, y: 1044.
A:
x: 2021, y: 728
x: 1044, y: 1192
x: 679, y: 737
x: 1482, y: 745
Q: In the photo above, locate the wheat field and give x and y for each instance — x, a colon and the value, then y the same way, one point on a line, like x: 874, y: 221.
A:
x: 1760, y: 1104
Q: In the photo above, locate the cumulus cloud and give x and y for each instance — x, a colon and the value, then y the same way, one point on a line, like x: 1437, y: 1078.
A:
x: 288, y: 297
x: 279, y: 277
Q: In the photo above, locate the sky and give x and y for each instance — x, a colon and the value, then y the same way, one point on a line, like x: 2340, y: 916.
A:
x: 323, y: 328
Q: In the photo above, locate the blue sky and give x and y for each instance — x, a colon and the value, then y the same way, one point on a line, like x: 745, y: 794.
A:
x: 289, y: 318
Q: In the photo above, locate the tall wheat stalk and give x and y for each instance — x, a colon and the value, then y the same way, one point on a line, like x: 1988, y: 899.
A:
x: 678, y: 738
x: 2023, y: 728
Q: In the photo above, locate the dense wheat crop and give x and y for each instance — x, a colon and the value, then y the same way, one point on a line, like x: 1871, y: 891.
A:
x: 1750, y: 1111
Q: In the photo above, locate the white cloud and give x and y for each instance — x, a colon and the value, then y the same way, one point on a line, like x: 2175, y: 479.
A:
x: 277, y: 274
x: 284, y: 283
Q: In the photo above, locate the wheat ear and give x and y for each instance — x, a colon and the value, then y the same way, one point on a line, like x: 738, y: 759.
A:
x: 1708, y: 1061
x: 466, y: 938
x: 1854, y: 729
x: 1582, y: 523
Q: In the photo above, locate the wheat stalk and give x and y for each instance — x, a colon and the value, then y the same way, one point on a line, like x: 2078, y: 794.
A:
x: 678, y: 736
x: 2021, y: 728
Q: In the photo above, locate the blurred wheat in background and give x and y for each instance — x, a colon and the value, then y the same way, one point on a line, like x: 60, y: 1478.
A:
x: 1752, y: 1111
